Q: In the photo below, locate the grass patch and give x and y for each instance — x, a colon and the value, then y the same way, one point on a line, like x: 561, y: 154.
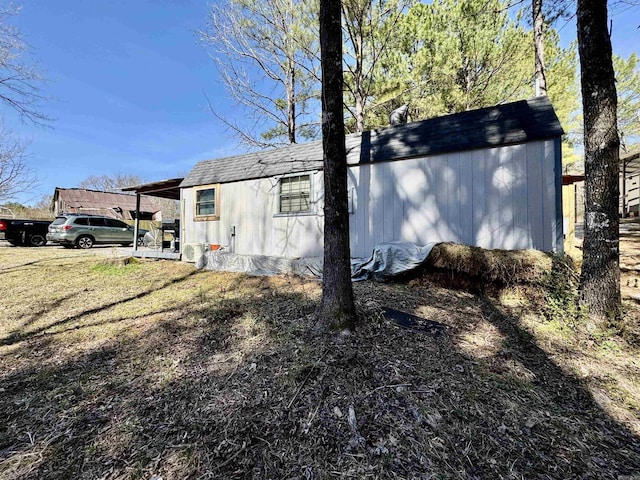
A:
x: 116, y: 266
x: 162, y: 370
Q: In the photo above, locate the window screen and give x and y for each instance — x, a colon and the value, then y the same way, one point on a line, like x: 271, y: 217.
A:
x: 295, y: 194
x: 206, y: 202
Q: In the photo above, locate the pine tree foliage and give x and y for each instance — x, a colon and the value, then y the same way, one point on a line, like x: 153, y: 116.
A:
x: 628, y: 88
x: 369, y: 28
x: 451, y: 56
x: 563, y: 91
x: 439, y: 58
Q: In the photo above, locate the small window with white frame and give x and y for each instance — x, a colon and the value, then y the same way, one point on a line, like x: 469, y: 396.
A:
x: 295, y: 194
x: 207, y: 202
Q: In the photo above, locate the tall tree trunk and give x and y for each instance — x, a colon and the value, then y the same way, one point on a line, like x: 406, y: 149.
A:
x: 291, y: 102
x: 359, y: 111
x: 337, y: 310
x: 538, y: 43
x: 359, y: 95
x: 600, y: 278
x: 291, y: 78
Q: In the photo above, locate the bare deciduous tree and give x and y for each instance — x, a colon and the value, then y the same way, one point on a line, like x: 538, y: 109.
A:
x: 110, y: 183
x: 15, y: 175
x: 369, y: 30
x: 19, y: 90
x: 19, y: 80
x: 266, y: 54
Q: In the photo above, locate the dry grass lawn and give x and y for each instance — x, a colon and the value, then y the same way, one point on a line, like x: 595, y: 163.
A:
x: 156, y: 369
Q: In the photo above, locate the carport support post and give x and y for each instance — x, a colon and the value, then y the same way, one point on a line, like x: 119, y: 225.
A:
x: 136, y: 225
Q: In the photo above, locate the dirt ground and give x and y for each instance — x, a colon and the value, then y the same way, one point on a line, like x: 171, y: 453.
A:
x: 157, y: 370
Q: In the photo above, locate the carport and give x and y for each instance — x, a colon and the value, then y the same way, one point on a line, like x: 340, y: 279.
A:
x: 169, y: 189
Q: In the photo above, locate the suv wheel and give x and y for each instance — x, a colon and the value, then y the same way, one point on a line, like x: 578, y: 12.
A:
x: 84, y: 242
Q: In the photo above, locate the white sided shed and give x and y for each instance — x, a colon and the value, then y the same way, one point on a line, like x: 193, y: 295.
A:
x: 490, y: 178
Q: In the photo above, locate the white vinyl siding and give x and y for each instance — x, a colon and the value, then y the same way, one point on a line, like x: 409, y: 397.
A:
x: 251, y: 206
x: 501, y: 197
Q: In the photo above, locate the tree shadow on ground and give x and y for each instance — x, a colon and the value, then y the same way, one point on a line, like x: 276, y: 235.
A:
x: 240, y: 388
x: 16, y: 336
x: 85, y: 415
x: 14, y: 268
x: 562, y: 427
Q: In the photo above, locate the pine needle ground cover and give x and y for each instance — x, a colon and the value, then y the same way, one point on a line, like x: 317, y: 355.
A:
x: 121, y: 370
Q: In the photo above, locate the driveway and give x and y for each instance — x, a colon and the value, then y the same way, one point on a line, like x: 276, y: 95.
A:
x: 107, y: 250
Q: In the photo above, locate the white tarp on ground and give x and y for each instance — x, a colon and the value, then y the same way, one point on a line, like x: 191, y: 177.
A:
x: 386, y: 261
x: 260, y: 264
x: 390, y: 259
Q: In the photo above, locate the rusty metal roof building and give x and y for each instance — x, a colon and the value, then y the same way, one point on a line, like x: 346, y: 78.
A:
x: 109, y: 204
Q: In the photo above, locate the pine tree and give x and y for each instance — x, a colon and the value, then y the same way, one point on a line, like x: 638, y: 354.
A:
x: 600, y: 276
x: 337, y: 309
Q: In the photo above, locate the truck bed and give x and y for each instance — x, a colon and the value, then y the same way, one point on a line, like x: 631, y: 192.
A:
x: 24, y: 232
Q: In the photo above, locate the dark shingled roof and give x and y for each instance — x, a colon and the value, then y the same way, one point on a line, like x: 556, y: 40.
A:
x: 517, y: 122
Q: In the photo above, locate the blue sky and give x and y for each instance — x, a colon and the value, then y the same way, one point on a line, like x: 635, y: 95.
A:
x: 129, y: 78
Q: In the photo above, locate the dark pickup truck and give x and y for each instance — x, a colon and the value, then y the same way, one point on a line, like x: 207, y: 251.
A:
x: 31, y: 233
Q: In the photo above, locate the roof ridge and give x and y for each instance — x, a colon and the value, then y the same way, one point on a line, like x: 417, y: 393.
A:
x: 509, y: 123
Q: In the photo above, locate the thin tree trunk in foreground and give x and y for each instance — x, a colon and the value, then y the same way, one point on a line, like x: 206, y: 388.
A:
x: 337, y: 310
x: 538, y: 43
x: 600, y: 277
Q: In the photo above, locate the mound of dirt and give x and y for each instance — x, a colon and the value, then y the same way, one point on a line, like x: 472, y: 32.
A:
x: 478, y: 270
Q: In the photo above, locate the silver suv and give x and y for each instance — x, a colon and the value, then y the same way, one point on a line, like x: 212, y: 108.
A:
x: 85, y: 231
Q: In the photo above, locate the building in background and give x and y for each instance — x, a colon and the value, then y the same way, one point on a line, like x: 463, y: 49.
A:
x: 630, y: 183
x: 115, y: 205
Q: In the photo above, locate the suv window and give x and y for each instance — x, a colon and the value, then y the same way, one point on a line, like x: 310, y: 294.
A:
x: 112, y: 222
x: 81, y: 221
x: 59, y: 221
x: 98, y: 222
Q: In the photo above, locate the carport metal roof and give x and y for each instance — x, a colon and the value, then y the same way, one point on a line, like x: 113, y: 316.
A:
x: 164, y: 188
